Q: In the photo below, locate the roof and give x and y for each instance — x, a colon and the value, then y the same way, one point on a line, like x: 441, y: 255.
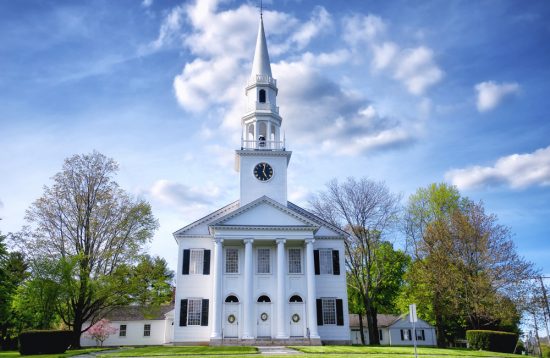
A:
x: 384, y: 320
x: 138, y: 313
x: 201, y: 226
x: 261, y: 65
x: 316, y: 218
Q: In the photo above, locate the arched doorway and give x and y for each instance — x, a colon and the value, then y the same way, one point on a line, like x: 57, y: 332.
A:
x: 231, y: 317
x: 297, y: 317
x: 263, y: 311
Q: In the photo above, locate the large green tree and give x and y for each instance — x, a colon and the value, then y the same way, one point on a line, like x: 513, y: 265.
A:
x: 93, y: 228
x: 367, y: 210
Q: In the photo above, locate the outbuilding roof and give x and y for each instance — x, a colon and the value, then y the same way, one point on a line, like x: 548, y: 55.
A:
x: 138, y: 313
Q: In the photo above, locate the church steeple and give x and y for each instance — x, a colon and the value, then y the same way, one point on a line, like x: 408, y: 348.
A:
x: 261, y: 65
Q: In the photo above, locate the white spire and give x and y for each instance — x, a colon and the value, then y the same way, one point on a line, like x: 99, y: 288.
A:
x: 261, y: 64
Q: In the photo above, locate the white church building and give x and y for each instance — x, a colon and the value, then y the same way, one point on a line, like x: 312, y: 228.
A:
x: 261, y: 268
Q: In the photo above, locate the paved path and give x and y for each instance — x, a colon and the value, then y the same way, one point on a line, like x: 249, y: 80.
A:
x: 277, y: 350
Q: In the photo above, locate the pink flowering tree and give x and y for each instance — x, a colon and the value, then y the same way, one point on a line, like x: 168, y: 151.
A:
x: 100, y: 331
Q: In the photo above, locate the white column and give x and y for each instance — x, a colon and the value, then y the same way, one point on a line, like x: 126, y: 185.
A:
x: 281, y: 290
x: 248, y: 302
x: 311, y: 291
x: 217, y: 294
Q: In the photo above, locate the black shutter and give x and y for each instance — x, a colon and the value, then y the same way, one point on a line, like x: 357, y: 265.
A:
x: 206, y: 263
x: 335, y: 262
x: 423, y: 336
x: 204, y: 313
x: 185, y: 269
x: 402, y: 335
x: 410, y: 336
x: 183, y: 313
x: 339, y: 312
x: 319, y: 310
x: 316, y: 261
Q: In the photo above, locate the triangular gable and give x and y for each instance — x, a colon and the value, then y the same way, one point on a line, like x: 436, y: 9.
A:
x: 265, y: 212
x: 200, y: 227
x: 325, y: 228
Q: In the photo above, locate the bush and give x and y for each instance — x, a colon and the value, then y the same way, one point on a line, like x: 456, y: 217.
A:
x: 494, y: 341
x: 44, y: 342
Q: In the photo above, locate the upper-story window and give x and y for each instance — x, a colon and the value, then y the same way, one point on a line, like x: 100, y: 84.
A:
x: 231, y: 260
x: 325, y: 258
x: 196, y: 262
x: 264, y: 261
x: 294, y: 260
x: 261, y: 96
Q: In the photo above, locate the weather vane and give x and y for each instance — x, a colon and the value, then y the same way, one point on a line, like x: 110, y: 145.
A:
x: 261, y: 10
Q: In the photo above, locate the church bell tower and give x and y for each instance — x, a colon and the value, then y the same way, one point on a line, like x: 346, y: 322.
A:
x: 263, y: 159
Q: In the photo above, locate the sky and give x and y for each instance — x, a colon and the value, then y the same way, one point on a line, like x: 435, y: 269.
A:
x: 409, y: 93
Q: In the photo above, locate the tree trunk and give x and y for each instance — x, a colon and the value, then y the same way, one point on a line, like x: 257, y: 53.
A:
x: 439, y: 324
x: 361, y: 329
x: 372, y: 325
x: 77, y: 330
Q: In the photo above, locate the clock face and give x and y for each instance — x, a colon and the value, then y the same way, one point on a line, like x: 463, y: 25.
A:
x: 263, y: 171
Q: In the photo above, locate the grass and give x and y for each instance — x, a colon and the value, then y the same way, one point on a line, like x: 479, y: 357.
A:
x: 374, y: 352
x: 14, y: 354
x: 182, y: 351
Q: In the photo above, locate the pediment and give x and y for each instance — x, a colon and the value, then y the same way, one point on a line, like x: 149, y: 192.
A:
x: 201, y: 226
x: 264, y: 212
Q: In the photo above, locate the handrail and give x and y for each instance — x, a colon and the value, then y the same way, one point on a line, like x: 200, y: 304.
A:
x: 262, y: 144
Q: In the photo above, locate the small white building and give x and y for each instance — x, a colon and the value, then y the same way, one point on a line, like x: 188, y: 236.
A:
x: 137, y: 326
x: 394, y: 330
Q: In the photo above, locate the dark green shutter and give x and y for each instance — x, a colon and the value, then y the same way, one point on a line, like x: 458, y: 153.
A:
x: 185, y: 268
x: 402, y: 335
x: 316, y: 261
x: 335, y: 262
x: 206, y: 263
x: 204, y: 313
x: 319, y: 312
x: 183, y: 313
x: 339, y: 312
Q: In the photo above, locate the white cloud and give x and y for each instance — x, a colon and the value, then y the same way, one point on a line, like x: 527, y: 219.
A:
x: 147, y: 3
x: 359, y: 29
x: 319, y: 22
x: 490, y: 94
x: 169, y: 30
x: 516, y: 171
x: 181, y: 195
x: 417, y: 70
x: 384, y: 54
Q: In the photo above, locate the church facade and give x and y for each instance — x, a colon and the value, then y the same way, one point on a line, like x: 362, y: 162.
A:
x: 261, y: 268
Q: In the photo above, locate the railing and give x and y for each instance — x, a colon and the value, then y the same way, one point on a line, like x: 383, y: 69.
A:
x: 262, y: 79
x: 262, y: 145
x: 267, y: 107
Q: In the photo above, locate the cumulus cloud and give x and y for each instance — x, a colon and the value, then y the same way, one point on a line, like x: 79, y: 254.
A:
x: 516, y: 171
x: 147, y: 3
x: 358, y: 28
x: 417, y: 69
x: 181, y: 195
x: 490, y: 94
x: 169, y: 29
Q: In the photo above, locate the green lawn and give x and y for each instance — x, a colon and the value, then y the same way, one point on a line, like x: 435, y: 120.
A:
x: 15, y: 354
x: 181, y: 350
x: 391, y: 351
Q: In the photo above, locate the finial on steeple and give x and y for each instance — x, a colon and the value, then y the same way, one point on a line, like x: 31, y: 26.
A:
x: 261, y: 10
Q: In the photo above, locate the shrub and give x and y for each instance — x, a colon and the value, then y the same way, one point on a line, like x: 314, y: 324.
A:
x: 494, y: 341
x: 44, y: 342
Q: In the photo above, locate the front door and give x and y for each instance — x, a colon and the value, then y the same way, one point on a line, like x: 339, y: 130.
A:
x: 297, y: 319
x: 231, y: 320
x: 264, y: 320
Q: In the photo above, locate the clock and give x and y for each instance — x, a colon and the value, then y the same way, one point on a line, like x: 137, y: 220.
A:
x: 263, y: 171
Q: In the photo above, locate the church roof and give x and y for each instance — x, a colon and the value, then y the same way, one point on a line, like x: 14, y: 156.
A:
x: 200, y: 227
x: 261, y: 64
x: 316, y: 219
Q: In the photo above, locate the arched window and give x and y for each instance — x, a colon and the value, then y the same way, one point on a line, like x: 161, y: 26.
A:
x: 264, y: 298
x: 250, y: 134
x: 261, y: 96
x: 231, y: 299
x: 295, y: 298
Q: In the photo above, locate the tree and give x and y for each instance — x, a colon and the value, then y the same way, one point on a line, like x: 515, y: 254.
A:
x: 93, y: 228
x: 466, y: 271
x: 367, y: 210
x: 100, y: 331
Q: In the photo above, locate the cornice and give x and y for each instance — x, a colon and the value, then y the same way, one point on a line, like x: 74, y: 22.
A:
x: 265, y: 227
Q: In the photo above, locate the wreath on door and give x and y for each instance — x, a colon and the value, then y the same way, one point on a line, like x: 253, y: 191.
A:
x: 264, y: 316
x: 296, y: 318
x: 231, y: 318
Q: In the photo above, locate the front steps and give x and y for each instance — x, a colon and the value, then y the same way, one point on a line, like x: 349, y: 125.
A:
x: 265, y: 342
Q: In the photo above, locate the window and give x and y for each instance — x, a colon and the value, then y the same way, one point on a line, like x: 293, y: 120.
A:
x: 406, y: 335
x: 264, y: 298
x: 231, y: 299
x: 296, y: 298
x: 122, y: 330
x: 325, y: 258
x: 294, y: 261
x: 262, y: 96
x: 194, y: 310
x: 420, y: 336
x: 380, y: 335
x: 329, y: 311
x: 231, y: 260
x: 263, y: 261
x: 196, y: 262
x: 147, y: 330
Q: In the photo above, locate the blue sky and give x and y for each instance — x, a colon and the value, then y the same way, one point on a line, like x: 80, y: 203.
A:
x: 405, y: 92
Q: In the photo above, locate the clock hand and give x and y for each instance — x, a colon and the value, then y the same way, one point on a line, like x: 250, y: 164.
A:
x: 264, y: 170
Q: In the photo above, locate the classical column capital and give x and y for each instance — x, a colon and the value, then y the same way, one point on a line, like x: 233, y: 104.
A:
x: 280, y: 241
x: 309, y: 241
x: 218, y: 240
x: 248, y: 241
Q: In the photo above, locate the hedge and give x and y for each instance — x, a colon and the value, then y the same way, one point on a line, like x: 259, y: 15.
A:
x: 44, y: 342
x: 494, y: 341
